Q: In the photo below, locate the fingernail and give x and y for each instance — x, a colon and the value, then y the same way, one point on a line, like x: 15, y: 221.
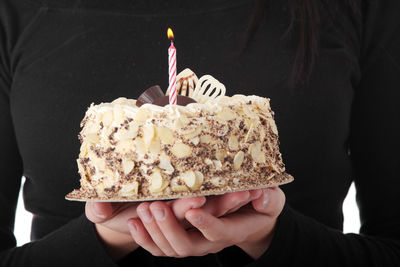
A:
x: 146, y: 215
x: 132, y: 227
x: 159, y: 214
x: 97, y: 211
x: 266, y: 199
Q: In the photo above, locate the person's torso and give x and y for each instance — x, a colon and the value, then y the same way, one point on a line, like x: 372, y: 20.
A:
x: 72, y: 55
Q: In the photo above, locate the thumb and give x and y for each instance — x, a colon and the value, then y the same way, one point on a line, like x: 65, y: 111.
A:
x: 98, y: 212
x: 270, y: 202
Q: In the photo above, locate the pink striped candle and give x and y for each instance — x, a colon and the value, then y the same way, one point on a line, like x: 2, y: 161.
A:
x: 172, y: 68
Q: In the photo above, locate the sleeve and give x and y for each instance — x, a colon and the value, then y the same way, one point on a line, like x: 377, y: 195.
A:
x: 10, y: 164
x: 374, y: 148
x: 76, y: 243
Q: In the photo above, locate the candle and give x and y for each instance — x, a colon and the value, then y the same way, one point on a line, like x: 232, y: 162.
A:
x: 172, y: 68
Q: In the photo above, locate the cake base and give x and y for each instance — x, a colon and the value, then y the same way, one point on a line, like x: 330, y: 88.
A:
x: 279, y: 179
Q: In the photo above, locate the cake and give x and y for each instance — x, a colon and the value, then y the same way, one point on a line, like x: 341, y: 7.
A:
x: 212, y: 145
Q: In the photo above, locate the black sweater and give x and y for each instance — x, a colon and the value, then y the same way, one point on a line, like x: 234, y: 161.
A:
x: 58, y: 56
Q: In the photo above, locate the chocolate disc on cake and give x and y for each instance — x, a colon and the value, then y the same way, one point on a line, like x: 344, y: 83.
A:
x: 180, y: 100
x: 150, y: 95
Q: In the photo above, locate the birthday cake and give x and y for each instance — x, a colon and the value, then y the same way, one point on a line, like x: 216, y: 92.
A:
x: 148, y: 149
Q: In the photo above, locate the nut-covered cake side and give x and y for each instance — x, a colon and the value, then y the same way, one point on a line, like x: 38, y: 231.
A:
x: 147, y: 152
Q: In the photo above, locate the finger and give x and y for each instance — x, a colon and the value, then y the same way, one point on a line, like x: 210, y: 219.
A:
x: 152, y: 228
x: 254, y: 194
x: 232, y: 229
x: 271, y: 202
x: 142, y: 237
x: 181, y: 206
x: 220, y: 205
x: 98, y: 212
x: 210, y: 226
x: 175, y: 234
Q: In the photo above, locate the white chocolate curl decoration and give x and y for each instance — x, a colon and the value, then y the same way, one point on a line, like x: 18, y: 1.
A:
x: 202, y: 90
x: 184, y: 79
x: 208, y: 88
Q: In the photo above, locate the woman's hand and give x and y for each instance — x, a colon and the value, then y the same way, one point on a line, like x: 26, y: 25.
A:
x: 110, y: 219
x: 251, y: 228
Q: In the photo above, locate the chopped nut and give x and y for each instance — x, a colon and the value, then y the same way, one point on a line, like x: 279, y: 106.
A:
x: 217, y: 181
x: 119, y: 115
x: 148, y: 134
x: 263, y: 104
x: 233, y: 143
x: 155, y: 146
x: 81, y: 169
x: 246, y: 138
x: 208, y: 161
x: 165, y: 163
x: 223, y: 130
x: 193, y: 134
x: 220, y: 155
x: 255, y: 152
x: 167, y: 191
x: 124, y: 146
x: 165, y: 134
x: 199, y: 177
x: 238, y: 160
x: 99, y: 163
x: 92, y: 138
x: 107, y: 118
x: 139, y: 146
x: 131, y: 133
x: 273, y: 126
x: 111, y: 178
x: 195, y: 140
x: 226, y: 114
x: 129, y: 189
x: 181, y: 150
x: 83, y: 149
x: 275, y: 167
x: 91, y: 127
x: 236, y: 181
x: 99, y: 189
x: 205, y: 138
x: 156, y: 181
x: 177, y: 187
x: 262, y: 134
x: 181, y: 122
x: 192, y: 180
x: 142, y: 115
x: 217, y: 164
x: 127, y: 165
x: 255, y: 149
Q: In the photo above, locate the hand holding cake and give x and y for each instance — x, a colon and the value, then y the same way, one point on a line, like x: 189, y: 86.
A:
x: 251, y: 228
x: 113, y: 219
x: 220, y: 221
